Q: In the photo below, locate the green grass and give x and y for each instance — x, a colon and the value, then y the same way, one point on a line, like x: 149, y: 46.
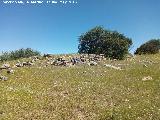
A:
x: 83, y: 92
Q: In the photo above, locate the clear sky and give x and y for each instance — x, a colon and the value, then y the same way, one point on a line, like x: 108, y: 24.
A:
x: 54, y: 28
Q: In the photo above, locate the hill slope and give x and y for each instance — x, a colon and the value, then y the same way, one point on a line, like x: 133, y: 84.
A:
x: 83, y: 92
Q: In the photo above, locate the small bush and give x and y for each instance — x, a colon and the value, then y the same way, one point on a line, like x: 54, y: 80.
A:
x: 21, y: 53
x: 150, y: 47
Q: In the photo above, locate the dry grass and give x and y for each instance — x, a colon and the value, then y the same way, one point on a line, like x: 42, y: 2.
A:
x: 83, y: 92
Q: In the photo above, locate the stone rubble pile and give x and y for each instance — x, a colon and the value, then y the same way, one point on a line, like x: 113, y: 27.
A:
x: 10, y: 70
x: 51, y: 60
x: 90, y: 59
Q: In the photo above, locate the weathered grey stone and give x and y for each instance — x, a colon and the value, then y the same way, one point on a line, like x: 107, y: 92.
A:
x: 147, y: 78
x: 5, y: 66
x: 114, y: 67
x: 19, y: 65
x: 10, y: 71
x: 27, y: 63
x: 92, y: 63
x: 3, y: 78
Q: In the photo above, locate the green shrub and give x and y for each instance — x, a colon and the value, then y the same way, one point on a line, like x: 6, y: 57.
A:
x: 21, y: 53
x: 150, y: 47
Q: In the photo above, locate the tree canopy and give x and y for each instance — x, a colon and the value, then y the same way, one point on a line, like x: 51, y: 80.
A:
x: 150, y: 47
x: 101, y: 41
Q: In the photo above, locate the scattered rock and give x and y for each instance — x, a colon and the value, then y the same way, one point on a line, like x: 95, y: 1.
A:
x: 3, y: 78
x: 92, y: 63
x: 65, y: 60
x: 24, y: 63
x: 10, y: 71
x: 5, y: 66
x: 144, y: 65
x: 114, y: 67
x: 19, y: 65
x: 147, y: 78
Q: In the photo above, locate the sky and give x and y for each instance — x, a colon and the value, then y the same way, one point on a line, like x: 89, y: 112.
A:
x: 55, y: 28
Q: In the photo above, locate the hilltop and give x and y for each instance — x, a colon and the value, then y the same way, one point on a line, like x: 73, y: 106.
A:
x: 44, y: 88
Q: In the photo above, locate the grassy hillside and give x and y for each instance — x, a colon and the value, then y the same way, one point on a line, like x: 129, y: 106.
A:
x: 83, y: 92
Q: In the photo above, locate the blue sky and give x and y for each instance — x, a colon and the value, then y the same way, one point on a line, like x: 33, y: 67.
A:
x: 55, y: 28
